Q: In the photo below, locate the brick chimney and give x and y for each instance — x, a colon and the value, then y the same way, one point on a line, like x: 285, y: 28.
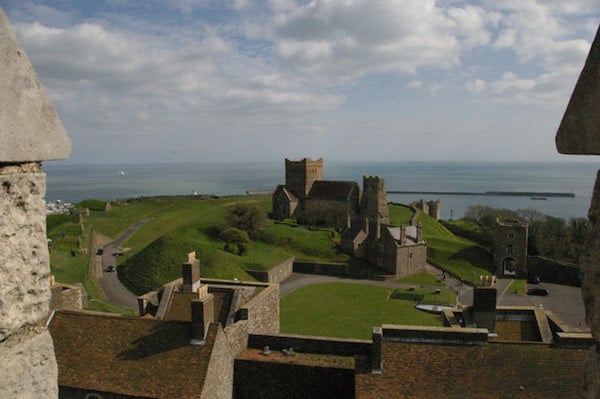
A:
x: 484, y: 304
x: 203, y: 313
x: 190, y: 271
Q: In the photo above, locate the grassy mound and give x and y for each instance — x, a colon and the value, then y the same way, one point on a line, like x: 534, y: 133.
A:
x: 155, y: 265
x: 421, y: 295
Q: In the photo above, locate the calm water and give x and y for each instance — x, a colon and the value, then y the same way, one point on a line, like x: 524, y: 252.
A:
x: 74, y: 183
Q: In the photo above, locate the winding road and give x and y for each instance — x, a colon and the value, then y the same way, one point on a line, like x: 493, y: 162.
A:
x: 116, y: 293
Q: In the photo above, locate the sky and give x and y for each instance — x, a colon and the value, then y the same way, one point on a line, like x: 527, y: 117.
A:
x: 369, y: 80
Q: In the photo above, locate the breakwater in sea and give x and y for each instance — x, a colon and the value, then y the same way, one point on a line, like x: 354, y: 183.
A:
x: 425, y: 180
x: 531, y: 194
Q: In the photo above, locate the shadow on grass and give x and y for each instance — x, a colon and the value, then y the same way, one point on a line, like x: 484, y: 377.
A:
x: 475, y: 255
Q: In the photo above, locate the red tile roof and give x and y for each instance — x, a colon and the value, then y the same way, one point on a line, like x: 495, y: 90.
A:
x: 481, y: 371
x: 129, y: 356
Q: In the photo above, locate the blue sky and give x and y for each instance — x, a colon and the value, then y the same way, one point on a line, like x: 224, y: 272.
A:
x: 243, y: 80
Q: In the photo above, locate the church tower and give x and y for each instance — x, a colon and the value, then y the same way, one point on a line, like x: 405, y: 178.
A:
x: 373, y: 204
x: 301, y: 174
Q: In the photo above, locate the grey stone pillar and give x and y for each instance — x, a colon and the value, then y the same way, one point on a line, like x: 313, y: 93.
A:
x: 30, y: 132
x: 579, y: 133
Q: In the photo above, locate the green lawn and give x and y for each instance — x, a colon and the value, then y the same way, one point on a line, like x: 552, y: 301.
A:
x: 346, y: 311
x: 518, y: 287
x: 423, y: 278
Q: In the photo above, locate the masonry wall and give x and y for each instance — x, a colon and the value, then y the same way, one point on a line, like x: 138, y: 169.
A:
x: 282, y: 380
x: 275, y: 275
x: 410, y: 260
x: 219, y: 375
x: 262, y: 311
x: 26, y: 349
x: 309, y: 344
x: 554, y: 271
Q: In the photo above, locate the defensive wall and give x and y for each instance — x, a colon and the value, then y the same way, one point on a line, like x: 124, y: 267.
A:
x: 554, y: 271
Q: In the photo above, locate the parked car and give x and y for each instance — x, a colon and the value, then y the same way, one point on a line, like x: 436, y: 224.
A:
x: 110, y: 269
x: 533, y: 279
x: 538, y: 291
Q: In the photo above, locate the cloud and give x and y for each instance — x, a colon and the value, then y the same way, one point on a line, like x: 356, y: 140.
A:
x: 415, y: 84
x: 346, y: 40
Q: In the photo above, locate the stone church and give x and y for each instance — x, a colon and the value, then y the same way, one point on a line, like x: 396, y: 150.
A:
x: 363, y: 217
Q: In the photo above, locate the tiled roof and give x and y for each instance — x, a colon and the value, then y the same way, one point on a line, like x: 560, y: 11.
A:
x: 129, y: 356
x: 481, y: 371
x: 333, y: 190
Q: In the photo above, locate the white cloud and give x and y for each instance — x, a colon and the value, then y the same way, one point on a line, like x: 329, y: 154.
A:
x: 415, y: 84
x: 345, y: 40
x: 476, y: 86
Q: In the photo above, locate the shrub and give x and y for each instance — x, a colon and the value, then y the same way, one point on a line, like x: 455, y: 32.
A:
x: 236, y: 240
x: 249, y: 217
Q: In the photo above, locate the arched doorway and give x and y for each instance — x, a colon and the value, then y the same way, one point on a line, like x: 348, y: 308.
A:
x: 509, y: 266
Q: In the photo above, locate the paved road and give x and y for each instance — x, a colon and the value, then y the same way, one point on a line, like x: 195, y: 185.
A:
x: 564, y: 301
x: 116, y: 292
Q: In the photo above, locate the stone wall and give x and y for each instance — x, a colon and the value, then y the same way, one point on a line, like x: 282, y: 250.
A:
x: 219, y: 377
x: 554, y: 271
x: 322, y: 268
x: 276, y: 274
x: 262, y: 311
x: 265, y: 379
x: 310, y: 344
x: 26, y: 349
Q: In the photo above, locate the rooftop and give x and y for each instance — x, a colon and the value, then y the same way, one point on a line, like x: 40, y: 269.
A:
x: 119, y: 354
x: 479, y: 371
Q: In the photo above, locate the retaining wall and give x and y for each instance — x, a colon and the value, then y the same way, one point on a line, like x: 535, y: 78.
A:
x: 554, y: 271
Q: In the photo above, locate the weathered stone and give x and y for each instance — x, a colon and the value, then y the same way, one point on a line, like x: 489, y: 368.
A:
x: 579, y: 131
x: 591, y: 389
x: 30, y: 129
x: 24, y: 284
x: 28, y: 366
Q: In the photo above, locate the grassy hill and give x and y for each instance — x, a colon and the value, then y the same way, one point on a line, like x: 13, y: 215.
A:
x: 179, y: 225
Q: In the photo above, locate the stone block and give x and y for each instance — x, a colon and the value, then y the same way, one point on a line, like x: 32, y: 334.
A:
x: 28, y: 367
x: 579, y: 130
x: 24, y: 283
x: 30, y: 129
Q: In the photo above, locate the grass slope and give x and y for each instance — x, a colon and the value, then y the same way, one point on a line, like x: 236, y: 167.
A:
x: 346, y: 311
x: 462, y: 257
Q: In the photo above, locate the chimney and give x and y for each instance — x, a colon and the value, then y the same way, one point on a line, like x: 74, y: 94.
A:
x: 203, y: 313
x: 376, y: 360
x: 402, y: 235
x: 190, y: 271
x: 484, y: 305
x: 419, y: 232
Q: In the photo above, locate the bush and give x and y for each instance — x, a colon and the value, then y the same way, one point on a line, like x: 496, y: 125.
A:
x: 236, y: 241
x: 249, y: 217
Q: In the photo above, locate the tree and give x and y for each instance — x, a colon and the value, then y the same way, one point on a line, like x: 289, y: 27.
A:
x: 249, y: 217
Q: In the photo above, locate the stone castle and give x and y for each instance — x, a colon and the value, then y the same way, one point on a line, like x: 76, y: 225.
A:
x: 363, y: 217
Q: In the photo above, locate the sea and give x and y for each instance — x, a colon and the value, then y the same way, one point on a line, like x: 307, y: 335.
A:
x: 73, y: 183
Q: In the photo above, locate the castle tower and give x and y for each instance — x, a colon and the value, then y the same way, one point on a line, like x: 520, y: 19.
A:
x: 510, y: 248
x: 301, y: 174
x: 373, y: 204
